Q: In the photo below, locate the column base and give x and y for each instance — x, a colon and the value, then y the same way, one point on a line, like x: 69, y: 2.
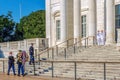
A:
x: 118, y: 46
x: 109, y: 42
x: 77, y: 41
x: 91, y: 40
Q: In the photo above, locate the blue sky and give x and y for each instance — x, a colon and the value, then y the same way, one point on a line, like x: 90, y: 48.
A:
x: 27, y: 6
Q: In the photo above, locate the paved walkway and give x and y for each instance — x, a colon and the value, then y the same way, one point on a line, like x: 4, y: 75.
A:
x: 12, y: 77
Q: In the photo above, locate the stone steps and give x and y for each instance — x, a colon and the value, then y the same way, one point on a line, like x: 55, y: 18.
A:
x: 84, y: 70
x: 107, y: 53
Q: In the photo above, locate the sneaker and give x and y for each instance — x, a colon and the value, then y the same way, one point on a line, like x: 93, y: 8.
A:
x: 8, y: 74
x: 18, y: 75
x: 23, y: 75
x: 14, y: 74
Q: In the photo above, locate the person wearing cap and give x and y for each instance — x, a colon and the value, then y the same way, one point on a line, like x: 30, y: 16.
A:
x: 20, y: 63
x: 11, y: 61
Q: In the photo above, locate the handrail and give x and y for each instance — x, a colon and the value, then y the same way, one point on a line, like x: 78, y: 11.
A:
x: 44, y: 51
x: 104, y: 63
x: 84, y: 38
x: 64, y: 41
x: 72, y: 61
x: 54, y: 46
x: 94, y: 39
x: 74, y: 44
x: 57, y: 45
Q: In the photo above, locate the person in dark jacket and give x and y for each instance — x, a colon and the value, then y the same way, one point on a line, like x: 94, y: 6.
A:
x: 31, y: 53
x: 11, y: 61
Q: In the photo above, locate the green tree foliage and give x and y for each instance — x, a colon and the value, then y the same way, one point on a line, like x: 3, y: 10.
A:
x: 18, y: 33
x: 33, y: 26
x: 6, y: 27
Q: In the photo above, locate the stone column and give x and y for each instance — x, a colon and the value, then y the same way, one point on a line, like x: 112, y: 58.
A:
x: 63, y: 20
x: 77, y: 20
x: 25, y: 45
x: 118, y: 37
x: 37, y: 47
x: 19, y: 45
x: 8, y: 46
x: 92, y: 21
x: 110, y: 23
x: 48, y: 22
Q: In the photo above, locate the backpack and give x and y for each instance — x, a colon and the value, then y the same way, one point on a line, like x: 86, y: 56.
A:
x: 26, y: 57
x: 19, y: 58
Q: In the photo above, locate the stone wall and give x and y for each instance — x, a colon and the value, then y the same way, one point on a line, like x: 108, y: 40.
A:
x: 39, y: 44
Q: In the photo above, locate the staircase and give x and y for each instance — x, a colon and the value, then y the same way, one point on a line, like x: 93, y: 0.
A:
x: 97, y: 53
x: 94, y: 71
x: 85, y: 71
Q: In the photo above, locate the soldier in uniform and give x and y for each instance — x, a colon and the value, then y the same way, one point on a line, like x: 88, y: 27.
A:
x: 98, y: 38
x: 102, y: 36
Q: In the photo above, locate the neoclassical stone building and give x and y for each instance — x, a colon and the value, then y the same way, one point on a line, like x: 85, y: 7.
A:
x: 67, y: 19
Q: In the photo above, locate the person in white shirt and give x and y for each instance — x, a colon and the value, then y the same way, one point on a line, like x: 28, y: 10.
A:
x: 102, y: 36
x: 98, y: 38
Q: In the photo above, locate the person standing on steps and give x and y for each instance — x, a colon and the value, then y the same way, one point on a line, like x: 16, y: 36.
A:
x: 102, y: 36
x: 31, y: 53
x: 98, y: 38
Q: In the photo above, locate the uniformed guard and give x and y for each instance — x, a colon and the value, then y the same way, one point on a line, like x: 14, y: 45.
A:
x: 102, y: 36
x: 98, y: 37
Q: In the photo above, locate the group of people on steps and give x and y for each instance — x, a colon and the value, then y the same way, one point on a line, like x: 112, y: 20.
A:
x: 21, y: 57
x: 100, y: 37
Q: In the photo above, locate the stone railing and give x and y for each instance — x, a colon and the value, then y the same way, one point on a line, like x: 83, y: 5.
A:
x: 104, y: 69
x: 39, y: 44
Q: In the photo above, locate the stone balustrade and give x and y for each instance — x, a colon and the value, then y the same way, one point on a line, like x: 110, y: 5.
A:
x: 39, y: 44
